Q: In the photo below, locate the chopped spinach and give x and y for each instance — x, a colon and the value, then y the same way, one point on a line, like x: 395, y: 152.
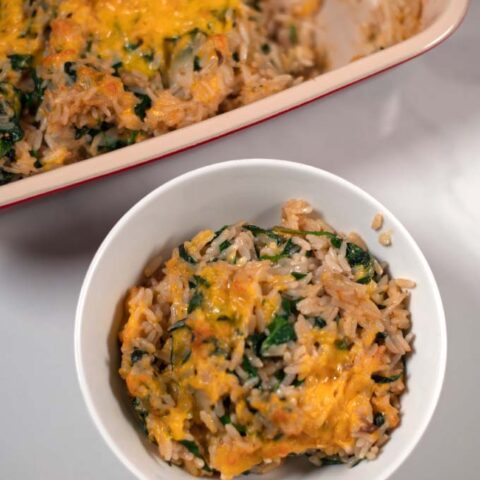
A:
x: 361, y: 262
x: 382, y: 379
x: 136, y: 355
x: 297, y: 382
x: 196, y: 64
x: 343, y: 344
x: 32, y: 100
x: 289, y: 306
x: 5, y: 177
x: 219, y: 232
x: 195, y: 301
x: 198, y: 280
x: 141, y: 413
x: 226, y: 420
x: 378, y: 419
x: 193, y: 448
x: 218, y: 348
x: 131, y: 47
x: 143, y: 105
x: 224, y: 245
x: 36, y: 155
x: 380, y: 338
x: 116, y: 68
x: 182, y: 251
x: 291, y: 248
x: 181, y: 345
x: 298, y: 276
x: 331, y: 460
x: 280, y: 331
x: 249, y: 368
x: 266, y: 49
x: 177, y: 325
x: 255, y: 341
x: 319, y: 322
x: 70, y: 69
x: 262, y: 231
x: 21, y: 62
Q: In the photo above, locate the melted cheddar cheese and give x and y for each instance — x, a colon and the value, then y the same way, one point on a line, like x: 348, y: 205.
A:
x: 137, y: 32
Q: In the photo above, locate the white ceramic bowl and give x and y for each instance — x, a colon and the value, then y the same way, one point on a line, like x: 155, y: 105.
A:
x: 211, y: 197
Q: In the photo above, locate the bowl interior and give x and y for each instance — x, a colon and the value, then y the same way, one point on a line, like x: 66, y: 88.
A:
x: 253, y: 190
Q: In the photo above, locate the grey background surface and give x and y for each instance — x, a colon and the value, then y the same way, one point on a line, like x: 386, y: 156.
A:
x: 411, y: 137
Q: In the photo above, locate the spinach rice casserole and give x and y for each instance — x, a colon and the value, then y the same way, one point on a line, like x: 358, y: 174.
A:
x: 82, y: 77
x: 250, y: 345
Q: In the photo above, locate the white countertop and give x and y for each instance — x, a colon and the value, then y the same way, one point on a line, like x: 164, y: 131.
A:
x: 410, y: 137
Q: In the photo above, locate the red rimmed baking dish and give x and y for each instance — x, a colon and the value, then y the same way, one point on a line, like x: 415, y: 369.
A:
x: 440, y: 19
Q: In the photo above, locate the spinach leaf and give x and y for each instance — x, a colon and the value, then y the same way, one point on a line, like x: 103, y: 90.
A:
x: 71, y: 70
x: 280, y: 331
x: 261, y: 231
x: 224, y: 245
x: 291, y: 248
x: 32, y: 100
x: 131, y: 47
x: 141, y: 413
x: 5, y: 177
x: 226, y: 420
x: 381, y: 379
x: 331, y: 460
x: 289, y: 306
x: 378, y: 419
x: 21, y: 62
x: 319, y: 322
x: 116, y: 68
x: 361, y: 262
x: 297, y: 382
x: 142, y: 106
x: 343, y: 344
x: 265, y: 48
x: 298, y: 276
x: 182, y: 251
x: 219, y: 231
x: 198, y: 280
x: 193, y: 448
x: 218, y: 348
x: 255, y: 341
x: 177, y: 325
x: 136, y: 355
x: 195, y: 301
x: 380, y: 338
x: 196, y: 64
x: 36, y: 155
x: 249, y: 368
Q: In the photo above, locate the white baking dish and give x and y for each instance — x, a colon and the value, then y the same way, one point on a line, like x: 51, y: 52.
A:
x: 440, y: 19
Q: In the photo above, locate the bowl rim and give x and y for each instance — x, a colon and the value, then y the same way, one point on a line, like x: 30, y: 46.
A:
x: 87, y: 394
